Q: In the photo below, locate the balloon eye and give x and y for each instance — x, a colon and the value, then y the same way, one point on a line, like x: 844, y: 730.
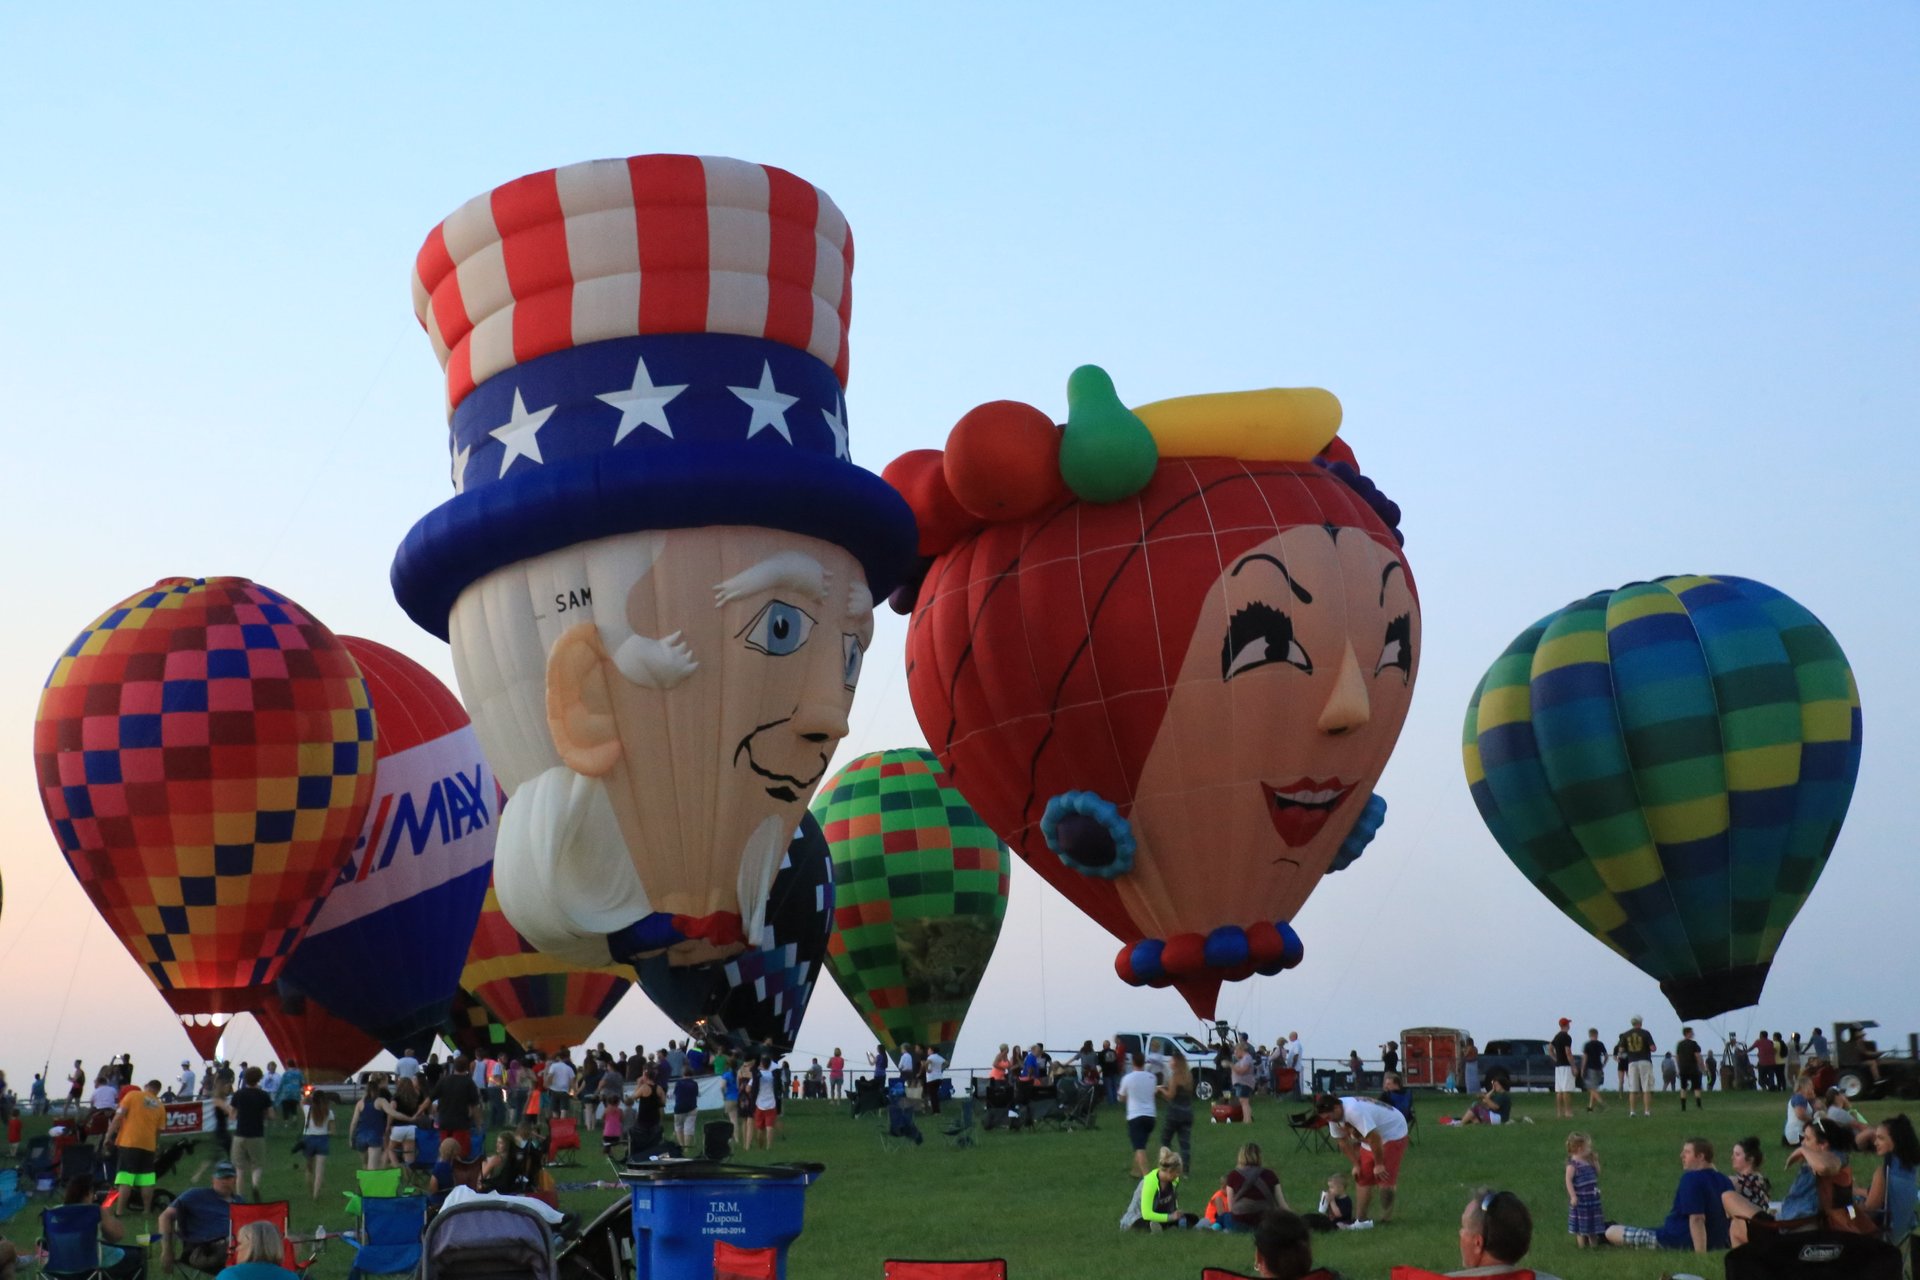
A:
x: 1397, y: 649
x: 853, y: 656
x: 1258, y: 636
x: 778, y: 630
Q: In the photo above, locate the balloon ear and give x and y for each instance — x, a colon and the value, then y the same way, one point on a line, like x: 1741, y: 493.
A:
x: 579, y: 706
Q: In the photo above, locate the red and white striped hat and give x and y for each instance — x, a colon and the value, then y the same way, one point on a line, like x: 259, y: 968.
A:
x: 645, y: 245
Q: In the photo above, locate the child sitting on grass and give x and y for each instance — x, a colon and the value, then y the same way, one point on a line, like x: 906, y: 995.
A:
x: 1335, y: 1203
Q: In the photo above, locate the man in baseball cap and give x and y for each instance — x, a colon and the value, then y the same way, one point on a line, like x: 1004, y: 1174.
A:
x: 194, y: 1227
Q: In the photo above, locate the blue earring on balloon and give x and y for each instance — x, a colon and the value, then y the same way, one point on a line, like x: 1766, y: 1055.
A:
x: 1089, y: 833
x: 1365, y: 828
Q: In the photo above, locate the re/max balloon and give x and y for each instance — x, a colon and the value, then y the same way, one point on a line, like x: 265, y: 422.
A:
x: 757, y: 998
x: 386, y: 950
x: 1173, y: 691
x: 658, y: 563
x: 1670, y: 764
x: 205, y: 754
x: 922, y: 889
x: 543, y: 1003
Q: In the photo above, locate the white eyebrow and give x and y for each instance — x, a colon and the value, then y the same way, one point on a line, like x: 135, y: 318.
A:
x: 794, y: 570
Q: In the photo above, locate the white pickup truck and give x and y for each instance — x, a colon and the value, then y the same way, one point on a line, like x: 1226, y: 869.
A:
x: 1158, y: 1046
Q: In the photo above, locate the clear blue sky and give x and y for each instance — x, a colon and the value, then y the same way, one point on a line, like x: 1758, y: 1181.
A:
x: 1607, y: 292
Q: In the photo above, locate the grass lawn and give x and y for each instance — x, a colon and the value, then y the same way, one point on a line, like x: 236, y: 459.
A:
x: 1050, y: 1202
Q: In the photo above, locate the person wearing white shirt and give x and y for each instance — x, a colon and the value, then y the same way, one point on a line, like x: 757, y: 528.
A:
x: 560, y: 1074
x: 271, y: 1080
x: 189, y: 1083
x: 936, y: 1070
x: 1374, y: 1137
x: 1296, y: 1059
x: 1137, y: 1089
x: 407, y: 1067
x: 106, y: 1096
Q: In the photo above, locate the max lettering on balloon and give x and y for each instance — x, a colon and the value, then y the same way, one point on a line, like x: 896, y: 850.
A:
x: 450, y: 809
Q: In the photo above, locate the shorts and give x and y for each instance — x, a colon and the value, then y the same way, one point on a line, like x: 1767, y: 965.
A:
x: 1639, y: 1237
x: 462, y: 1136
x: 1596, y: 1078
x: 1243, y: 1091
x: 1690, y: 1080
x: 317, y: 1144
x: 250, y: 1151
x: 133, y: 1168
x: 1139, y: 1130
x: 764, y: 1117
x: 1640, y: 1076
x: 1563, y: 1081
x: 402, y: 1133
x: 1386, y: 1172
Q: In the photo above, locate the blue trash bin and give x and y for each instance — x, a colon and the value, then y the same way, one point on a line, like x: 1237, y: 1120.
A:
x: 680, y: 1207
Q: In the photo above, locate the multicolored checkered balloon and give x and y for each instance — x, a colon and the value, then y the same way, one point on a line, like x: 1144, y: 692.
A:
x: 1670, y: 764
x: 920, y: 889
x: 204, y: 751
x: 543, y: 1003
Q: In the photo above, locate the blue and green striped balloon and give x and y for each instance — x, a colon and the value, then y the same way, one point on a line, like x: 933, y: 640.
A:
x: 1670, y: 764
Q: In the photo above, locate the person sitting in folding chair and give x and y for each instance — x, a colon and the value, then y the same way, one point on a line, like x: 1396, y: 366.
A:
x: 193, y: 1229
x: 1283, y: 1249
x: 258, y: 1251
x: 83, y: 1240
x: 900, y: 1122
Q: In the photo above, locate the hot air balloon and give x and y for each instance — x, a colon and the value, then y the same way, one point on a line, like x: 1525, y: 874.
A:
x: 205, y: 755
x: 658, y: 563
x: 542, y: 1002
x: 1669, y: 764
x: 386, y: 949
x: 757, y: 998
x: 921, y: 886
x: 303, y: 1032
x: 472, y: 1029
x: 1165, y: 653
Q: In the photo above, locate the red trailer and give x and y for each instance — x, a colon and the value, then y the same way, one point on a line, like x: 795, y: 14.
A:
x: 1430, y: 1056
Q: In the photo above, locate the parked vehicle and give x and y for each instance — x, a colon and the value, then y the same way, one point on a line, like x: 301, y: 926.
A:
x: 1158, y: 1046
x: 1523, y: 1064
x: 1853, y: 1058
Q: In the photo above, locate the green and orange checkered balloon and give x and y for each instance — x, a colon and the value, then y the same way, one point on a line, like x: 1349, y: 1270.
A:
x: 920, y: 885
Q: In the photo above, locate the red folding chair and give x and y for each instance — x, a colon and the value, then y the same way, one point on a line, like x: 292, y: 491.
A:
x: 563, y: 1134
x: 731, y: 1262
x: 273, y: 1211
x: 1221, y: 1273
x: 970, y: 1269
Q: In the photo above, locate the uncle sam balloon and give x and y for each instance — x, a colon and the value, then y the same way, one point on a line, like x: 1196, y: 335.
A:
x: 658, y: 566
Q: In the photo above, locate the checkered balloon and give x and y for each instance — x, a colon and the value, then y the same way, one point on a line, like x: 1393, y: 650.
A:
x: 204, y: 751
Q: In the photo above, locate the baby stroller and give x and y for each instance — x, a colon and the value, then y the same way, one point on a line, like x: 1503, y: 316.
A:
x: 482, y: 1240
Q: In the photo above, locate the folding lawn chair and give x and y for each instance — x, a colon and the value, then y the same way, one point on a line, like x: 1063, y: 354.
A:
x: 389, y: 1242
x: 869, y: 1095
x: 563, y: 1134
x: 969, y: 1269
x: 372, y: 1184
x: 426, y: 1150
x: 731, y: 1262
x: 1221, y: 1273
x: 717, y: 1139
x: 72, y: 1233
x: 1813, y: 1255
x: 899, y: 1129
x: 1308, y: 1133
x: 272, y: 1211
x: 960, y: 1132
x: 12, y: 1198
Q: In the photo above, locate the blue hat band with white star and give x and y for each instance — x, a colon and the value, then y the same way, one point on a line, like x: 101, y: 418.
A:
x: 653, y: 392
x: 661, y: 431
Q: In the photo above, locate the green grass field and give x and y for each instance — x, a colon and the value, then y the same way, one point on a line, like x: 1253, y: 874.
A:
x: 1050, y: 1202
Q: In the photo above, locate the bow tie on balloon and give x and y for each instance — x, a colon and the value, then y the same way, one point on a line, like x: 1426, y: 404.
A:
x: 1165, y: 652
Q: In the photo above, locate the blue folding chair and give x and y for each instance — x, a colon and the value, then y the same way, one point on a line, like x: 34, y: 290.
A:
x: 12, y: 1198
x: 426, y: 1149
x: 72, y: 1234
x: 389, y: 1242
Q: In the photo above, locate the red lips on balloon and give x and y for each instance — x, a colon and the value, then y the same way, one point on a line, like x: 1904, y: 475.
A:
x: 1173, y: 689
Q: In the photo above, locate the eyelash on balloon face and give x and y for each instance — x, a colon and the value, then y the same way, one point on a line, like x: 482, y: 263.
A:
x: 1397, y: 649
x: 1257, y: 636
x: 778, y: 629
